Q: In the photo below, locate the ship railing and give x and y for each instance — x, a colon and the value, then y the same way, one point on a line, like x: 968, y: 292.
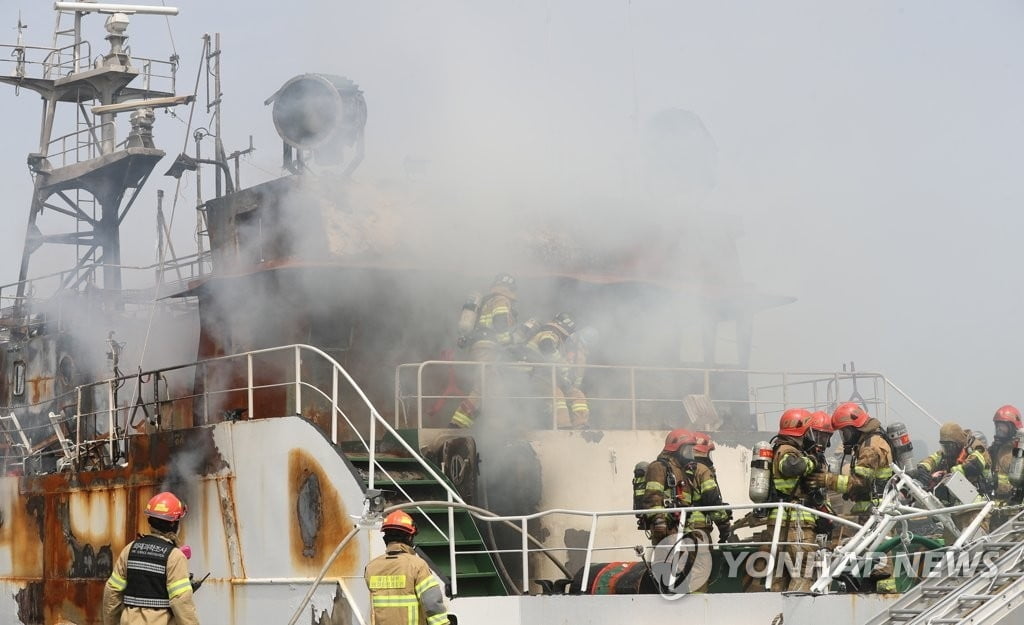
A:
x: 639, y: 397
x: 297, y: 379
x: 169, y: 277
x: 43, y: 61
x: 81, y: 145
x: 860, y: 545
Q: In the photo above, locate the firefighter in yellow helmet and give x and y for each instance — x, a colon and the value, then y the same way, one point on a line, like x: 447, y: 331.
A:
x: 403, y: 589
x: 150, y: 582
x: 962, y: 453
x: 551, y: 345
x: 490, y: 340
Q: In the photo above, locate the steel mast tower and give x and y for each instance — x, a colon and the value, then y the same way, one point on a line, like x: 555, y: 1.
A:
x: 87, y: 174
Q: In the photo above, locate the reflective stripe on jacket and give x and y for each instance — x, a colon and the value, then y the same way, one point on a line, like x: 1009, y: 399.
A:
x: 403, y: 589
x: 789, y: 468
x: 179, y: 610
x: 700, y: 488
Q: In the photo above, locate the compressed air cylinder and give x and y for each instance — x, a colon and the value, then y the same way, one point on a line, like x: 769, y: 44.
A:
x: 1016, y: 470
x: 470, y: 310
x: 761, y: 472
x: 901, y: 445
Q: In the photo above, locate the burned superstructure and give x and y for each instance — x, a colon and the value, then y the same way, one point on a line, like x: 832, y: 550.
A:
x: 318, y: 381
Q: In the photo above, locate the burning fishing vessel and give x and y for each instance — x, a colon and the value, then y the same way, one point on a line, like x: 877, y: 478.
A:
x: 320, y: 372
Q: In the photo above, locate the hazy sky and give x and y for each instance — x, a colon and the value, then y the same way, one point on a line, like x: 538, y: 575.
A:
x: 872, y: 150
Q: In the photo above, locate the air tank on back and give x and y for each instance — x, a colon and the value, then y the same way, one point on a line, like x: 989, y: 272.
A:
x: 321, y: 115
x: 901, y: 445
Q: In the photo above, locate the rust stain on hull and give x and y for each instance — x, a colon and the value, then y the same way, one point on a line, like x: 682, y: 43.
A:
x: 63, y: 530
x: 318, y: 518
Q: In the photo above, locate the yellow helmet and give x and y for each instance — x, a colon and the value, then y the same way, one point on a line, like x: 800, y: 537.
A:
x: 952, y: 433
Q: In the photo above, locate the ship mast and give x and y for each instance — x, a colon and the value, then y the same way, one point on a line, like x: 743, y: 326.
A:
x: 88, y: 177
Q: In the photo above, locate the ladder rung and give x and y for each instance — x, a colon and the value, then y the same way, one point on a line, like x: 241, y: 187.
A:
x: 944, y: 621
x: 1002, y: 544
x: 904, y: 612
x: 1010, y: 574
x: 965, y: 598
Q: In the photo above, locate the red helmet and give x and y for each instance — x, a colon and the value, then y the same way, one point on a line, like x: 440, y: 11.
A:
x: 678, y: 438
x: 1008, y: 414
x: 849, y: 415
x: 166, y: 506
x: 704, y: 444
x: 794, y: 422
x: 821, y: 422
x: 399, y: 520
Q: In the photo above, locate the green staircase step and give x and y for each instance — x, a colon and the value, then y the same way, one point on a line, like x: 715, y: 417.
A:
x: 477, y: 575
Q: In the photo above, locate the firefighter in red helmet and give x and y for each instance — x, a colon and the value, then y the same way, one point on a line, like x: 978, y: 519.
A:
x: 870, y: 459
x: 403, y: 589
x: 664, y: 476
x: 791, y: 469
x: 1007, y: 422
x: 150, y: 583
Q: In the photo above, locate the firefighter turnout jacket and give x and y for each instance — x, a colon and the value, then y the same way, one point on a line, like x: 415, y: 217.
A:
x: 1001, y: 453
x: 870, y: 470
x: 790, y: 467
x: 700, y: 488
x: 498, y: 317
x: 150, y: 584
x: 973, y: 462
x: 663, y: 475
x: 403, y: 589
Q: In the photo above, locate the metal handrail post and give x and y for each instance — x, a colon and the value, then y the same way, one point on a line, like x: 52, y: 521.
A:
x: 249, y: 385
x: 334, y: 405
x: 110, y: 419
x: 298, y: 381
x: 78, y: 429
x: 451, y: 548
x: 419, y: 398
x: 770, y: 572
x: 525, y: 587
x: 372, y: 448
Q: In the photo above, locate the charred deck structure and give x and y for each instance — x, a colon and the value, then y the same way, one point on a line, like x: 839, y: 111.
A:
x: 317, y: 326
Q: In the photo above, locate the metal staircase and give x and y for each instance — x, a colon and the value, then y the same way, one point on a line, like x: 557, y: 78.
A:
x: 993, y: 594
x: 403, y: 478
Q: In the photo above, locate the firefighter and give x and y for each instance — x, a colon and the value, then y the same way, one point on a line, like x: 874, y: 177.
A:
x: 791, y: 468
x: 704, y: 491
x: 490, y: 340
x: 663, y: 477
x: 150, y: 582
x: 403, y: 589
x: 817, y: 439
x: 959, y: 453
x: 870, y: 460
x: 550, y: 344
x: 1007, y: 422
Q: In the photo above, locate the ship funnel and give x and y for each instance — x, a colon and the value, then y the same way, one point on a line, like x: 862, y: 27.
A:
x: 320, y: 116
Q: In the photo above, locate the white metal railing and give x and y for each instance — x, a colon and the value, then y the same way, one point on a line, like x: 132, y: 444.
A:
x: 300, y: 372
x: 867, y: 537
x: 50, y: 63
x: 41, y: 289
x: 640, y: 397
